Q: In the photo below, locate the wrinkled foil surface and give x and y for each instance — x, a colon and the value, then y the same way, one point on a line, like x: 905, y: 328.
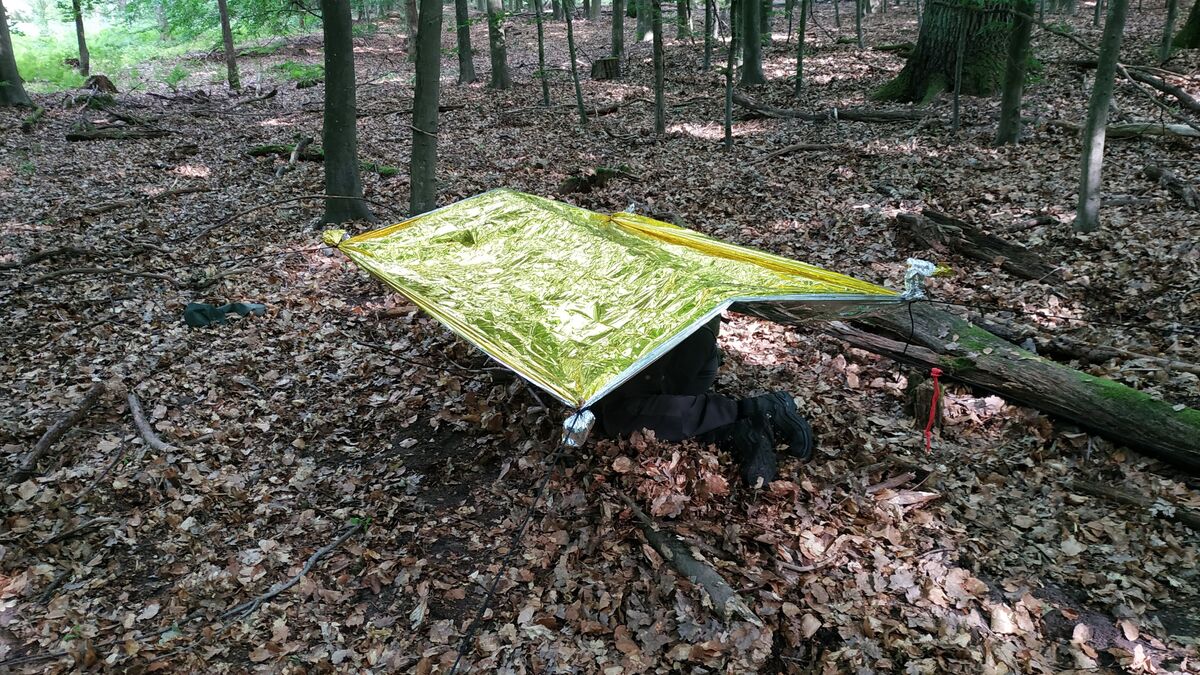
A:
x: 577, y: 301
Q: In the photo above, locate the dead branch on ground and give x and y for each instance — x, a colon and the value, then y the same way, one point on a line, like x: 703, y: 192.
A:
x: 127, y: 203
x: 833, y: 114
x: 43, y: 255
x: 1189, y: 194
x: 57, y: 431
x: 1171, y: 512
x: 143, y: 426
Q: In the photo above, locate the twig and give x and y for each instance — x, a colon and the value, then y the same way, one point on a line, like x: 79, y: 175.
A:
x: 56, y: 431
x: 117, y: 271
x: 87, y: 525
x: 42, y: 255
x: 244, y: 609
x: 269, y: 94
x: 726, y: 601
x: 125, y: 203
x: 143, y: 426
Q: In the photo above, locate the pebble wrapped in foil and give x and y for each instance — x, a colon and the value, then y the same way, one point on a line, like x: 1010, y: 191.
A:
x: 577, y: 301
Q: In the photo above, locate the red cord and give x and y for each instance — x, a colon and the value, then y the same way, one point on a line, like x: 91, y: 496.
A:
x: 937, y: 393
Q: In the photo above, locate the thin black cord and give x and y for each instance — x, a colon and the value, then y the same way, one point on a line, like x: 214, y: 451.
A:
x: 912, y: 328
x: 464, y: 644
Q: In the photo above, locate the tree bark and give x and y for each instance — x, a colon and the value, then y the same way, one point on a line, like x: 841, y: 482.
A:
x: 1009, y: 130
x: 12, y: 89
x: 683, y: 19
x: 340, y: 130
x: 497, y: 46
x: 1164, y: 48
x: 541, y: 33
x: 660, y: 105
x: 709, y: 24
x: 411, y: 17
x: 858, y: 19
x: 466, y: 62
x: 1087, y: 212
x: 618, y: 30
x: 643, y: 20
x: 801, y: 30
x: 730, y: 67
x: 160, y: 14
x: 423, y: 167
x: 231, y: 68
x: 85, y: 58
x: 972, y: 355
x: 930, y: 68
x: 594, y: 10
x: 1189, y: 35
x: 575, y: 69
x: 751, y: 34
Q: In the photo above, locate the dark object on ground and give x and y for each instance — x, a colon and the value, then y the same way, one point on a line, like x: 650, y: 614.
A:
x: 933, y: 229
x: 753, y: 446
x: 100, y: 83
x: 778, y: 409
x: 199, y: 314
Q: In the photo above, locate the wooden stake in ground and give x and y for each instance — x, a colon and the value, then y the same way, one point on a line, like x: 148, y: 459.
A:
x: 726, y: 601
x: 55, y: 432
x: 1087, y: 212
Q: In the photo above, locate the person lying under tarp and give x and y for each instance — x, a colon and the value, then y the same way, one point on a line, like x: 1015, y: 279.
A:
x: 672, y: 398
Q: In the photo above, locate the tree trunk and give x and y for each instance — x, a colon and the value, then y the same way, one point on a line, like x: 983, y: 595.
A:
x: 618, y: 29
x: 683, y: 19
x: 765, y: 12
x: 574, y: 68
x: 751, y: 34
x: 643, y: 20
x: 340, y: 133
x: 1087, y: 213
x: 800, y: 33
x: 837, y: 12
x: 423, y: 166
x: 709, y: 22
x: 858, y: 19
x: 660, y: 106
x: 227, y: 38
x: 466, y: 62
x: 1189, y: 35
x: 594, y: 10
x: 931, y: 66
x: 556, y: 8
x: 541, y: 33
x: 1009, y: 131
x: 160, y: 13
x: 497, y: 47
x: 1164, y: 49
x: 12, y: 89
x: 972, y: 355
x: 85, y: 59
x: 730, y: 67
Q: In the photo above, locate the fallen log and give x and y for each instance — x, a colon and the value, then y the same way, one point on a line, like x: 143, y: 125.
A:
x: 834, y: 114
x: 1140, y: 74
x: 1175, y: 514
x: 55, y: 432
x: 1062, y: 345
x: 935, y: 229
x: 975, y: 357
x: 726, y: 601
x: 1134, y: 129
x: 113, y: 134
x: 1190, y: 195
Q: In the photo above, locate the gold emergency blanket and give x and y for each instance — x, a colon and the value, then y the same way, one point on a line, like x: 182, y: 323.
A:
x: 577, y: 302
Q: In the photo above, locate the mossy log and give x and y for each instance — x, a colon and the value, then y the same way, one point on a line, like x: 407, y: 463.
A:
x: 975, y: 357
x: 933, y: 228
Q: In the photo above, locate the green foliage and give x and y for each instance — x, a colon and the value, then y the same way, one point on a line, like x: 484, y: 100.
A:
x: 364, y: 29
x: 301, y: 72
x: 178, y: 74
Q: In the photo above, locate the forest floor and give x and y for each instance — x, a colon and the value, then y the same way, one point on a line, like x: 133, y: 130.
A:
x: 286, y: 429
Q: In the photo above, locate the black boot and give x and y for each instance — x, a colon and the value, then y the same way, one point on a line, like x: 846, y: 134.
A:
x: 780, y: 410
x: 754, y: 448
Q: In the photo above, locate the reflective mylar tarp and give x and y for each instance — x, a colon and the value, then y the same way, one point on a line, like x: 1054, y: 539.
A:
x: 577, y: 301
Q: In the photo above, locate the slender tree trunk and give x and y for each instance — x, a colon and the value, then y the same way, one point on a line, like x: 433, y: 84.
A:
x: 730, y: 67
x: 709, y: 24
x: 231, y: 69
x: 556, y: 8
x: 1189, y: 35
x: 462, y: 21
x: 423, y: 166
x: 858, y: 19
x: 12, y: 88
x: 750, y: 30
x: 837, y: 12
x: 574, y: 69
x: 1087, y: 214
x: 1164, y: 49
x: 1097, y: 11
x: 497, y: 45
x: 594, y: 10
x: 643, y: 20
x: 160, y: 13
x: 340, y: 135
x: 683, y: 27
x: 1009, y: 131
x: 801, y: 31
x: 410, y: 19
x: 766, y: 12
x: 85, y: 59
x: 541, y: 31
x: 618, y: 29
x: 660, y: 105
